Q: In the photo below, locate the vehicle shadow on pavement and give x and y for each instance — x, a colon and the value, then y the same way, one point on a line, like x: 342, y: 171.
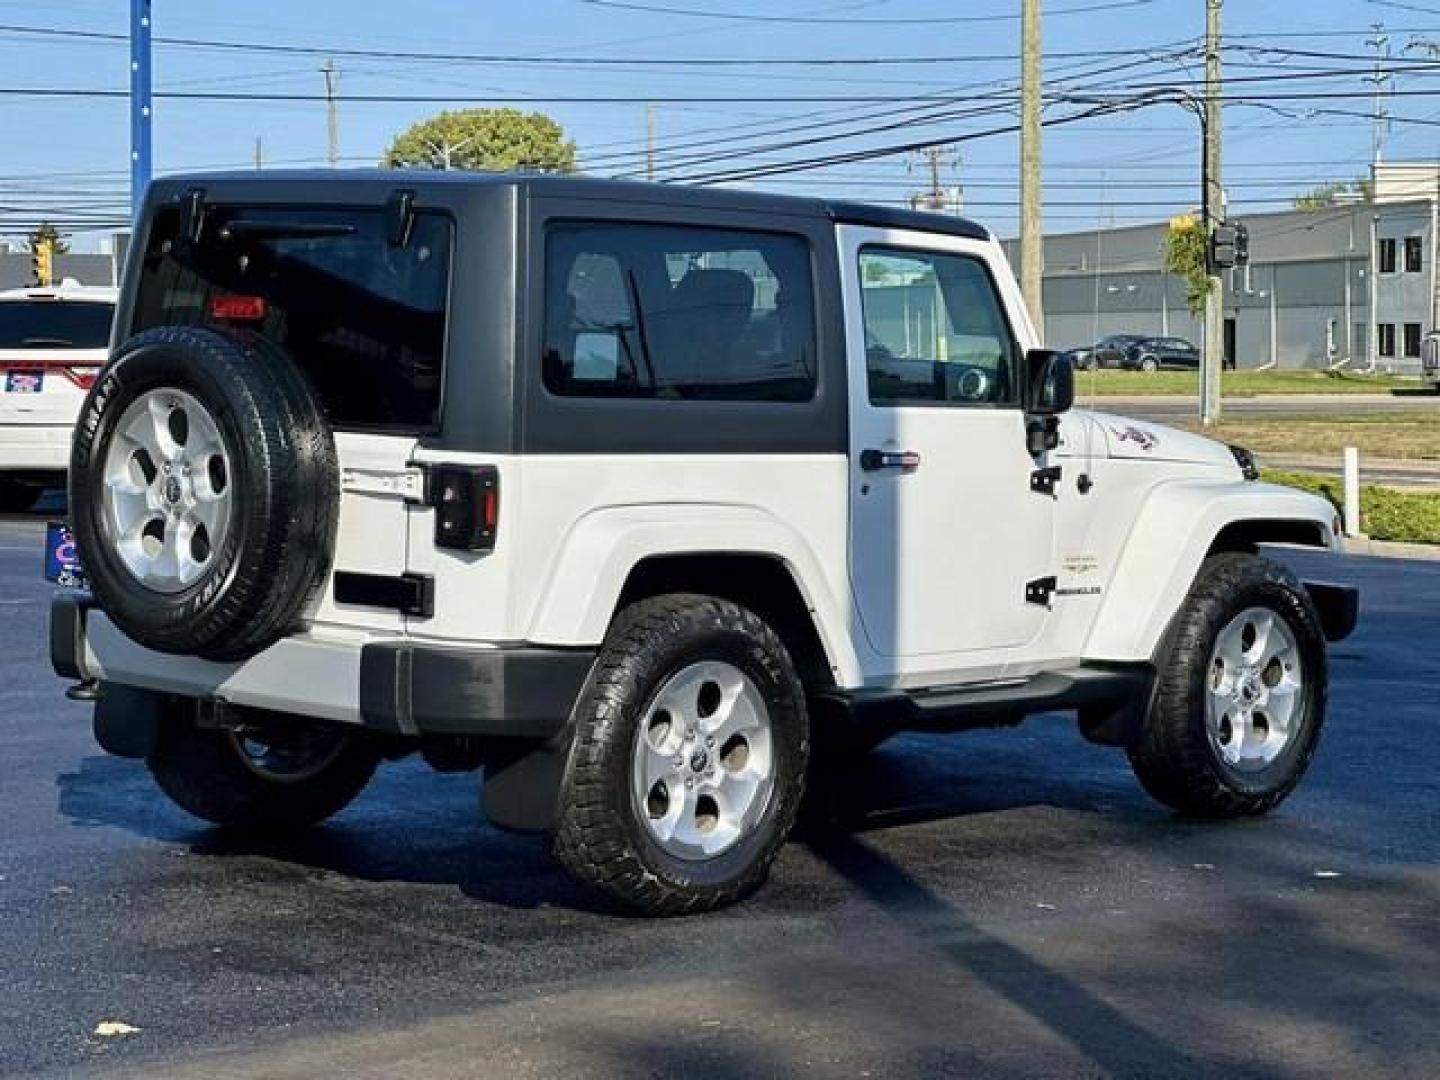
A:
x: 410, y: 826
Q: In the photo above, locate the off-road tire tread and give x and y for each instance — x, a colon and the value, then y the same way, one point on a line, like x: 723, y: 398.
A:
x: 1173, y: 760
x: 590, y: 840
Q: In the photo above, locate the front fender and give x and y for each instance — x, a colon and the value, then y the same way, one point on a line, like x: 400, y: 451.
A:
x: 605, y: 545
x: 1175, y: 530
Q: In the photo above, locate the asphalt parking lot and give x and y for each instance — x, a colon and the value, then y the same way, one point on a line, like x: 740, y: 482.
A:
x: 1000, y: 904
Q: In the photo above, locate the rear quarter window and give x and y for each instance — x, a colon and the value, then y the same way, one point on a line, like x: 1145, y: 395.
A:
x: 666, y: 312
x: 363, y: 319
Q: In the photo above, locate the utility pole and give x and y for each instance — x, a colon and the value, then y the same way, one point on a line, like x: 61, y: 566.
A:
x: 935, y: 198
x: 141, y: 103
x: 259, y: 154
x: 332, y: 113
x: 1213, y: 361
x: 650, y: 142
x: 1032, y: 234
x: 1382, y: 82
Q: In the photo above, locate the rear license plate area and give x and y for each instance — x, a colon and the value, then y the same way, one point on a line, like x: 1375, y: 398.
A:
x: 24, y: 382
x: 62, y: 562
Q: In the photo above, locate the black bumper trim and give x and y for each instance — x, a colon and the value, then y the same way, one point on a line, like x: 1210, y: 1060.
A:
x: 67, y: 632
x: 524, y: 691
x: 1339, y: 608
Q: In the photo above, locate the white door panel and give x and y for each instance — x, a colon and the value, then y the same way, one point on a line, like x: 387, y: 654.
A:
x: 945, y: 535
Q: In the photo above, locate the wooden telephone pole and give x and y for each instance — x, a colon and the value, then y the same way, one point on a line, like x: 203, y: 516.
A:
x: 1032, y: 232
x: 332, y: 113
x: 1213, y: 360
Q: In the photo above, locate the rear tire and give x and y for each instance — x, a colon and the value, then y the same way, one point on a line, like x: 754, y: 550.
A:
x: 666, y: 850
x: 1233, y: 727
x: 1149, y: 364
x: 309, y: 771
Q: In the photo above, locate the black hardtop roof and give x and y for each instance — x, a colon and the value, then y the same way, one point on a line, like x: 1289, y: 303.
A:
x: 366, y: 184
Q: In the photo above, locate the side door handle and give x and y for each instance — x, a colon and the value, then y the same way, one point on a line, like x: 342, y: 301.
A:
x: 875, y: 460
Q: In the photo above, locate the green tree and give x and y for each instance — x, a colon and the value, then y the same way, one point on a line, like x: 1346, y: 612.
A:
x: 1332, y: 194
x: 1186, y: 252
x: 487, y: 140
x: 47, y: 231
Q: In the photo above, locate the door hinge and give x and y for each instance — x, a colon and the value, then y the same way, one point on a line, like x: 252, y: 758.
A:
x: 1043, y: 481
x: 407, y: 484
x: 1040, y: 590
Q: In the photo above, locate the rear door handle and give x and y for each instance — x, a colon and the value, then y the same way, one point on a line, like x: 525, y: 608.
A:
x: 875, y: 460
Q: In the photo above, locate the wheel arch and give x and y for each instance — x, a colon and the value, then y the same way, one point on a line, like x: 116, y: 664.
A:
x: 616, y: 556
x: 1180, y: 525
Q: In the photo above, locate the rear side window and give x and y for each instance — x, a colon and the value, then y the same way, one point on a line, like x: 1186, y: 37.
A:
x: 55, y: 324
x: 654, y: 311
x: 363, y: 319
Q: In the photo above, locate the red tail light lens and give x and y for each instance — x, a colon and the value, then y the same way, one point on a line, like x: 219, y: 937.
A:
x: 83, y: 377
x: 467, y: 506
x: 228, y: 307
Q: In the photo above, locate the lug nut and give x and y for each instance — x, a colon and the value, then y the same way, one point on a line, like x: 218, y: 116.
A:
x: 690, y: 782
x: 710, y: 740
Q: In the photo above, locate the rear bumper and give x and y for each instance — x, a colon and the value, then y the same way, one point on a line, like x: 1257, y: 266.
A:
x: 396, y: 687
x: 35, y: 447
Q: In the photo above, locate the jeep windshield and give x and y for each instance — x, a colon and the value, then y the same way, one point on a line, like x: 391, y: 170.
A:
x: 363, y: 318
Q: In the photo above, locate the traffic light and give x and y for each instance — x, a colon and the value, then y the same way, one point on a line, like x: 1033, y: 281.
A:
x: 42, y: 262
x: 1224, y: 247
x: 1229, y: 246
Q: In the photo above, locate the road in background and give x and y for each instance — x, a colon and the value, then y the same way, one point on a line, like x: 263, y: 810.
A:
x: 1170, y: 408
x: 1005, y: 903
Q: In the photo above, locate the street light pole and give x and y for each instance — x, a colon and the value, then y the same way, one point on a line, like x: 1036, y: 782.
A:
x: 1213, y: 361
x: 141, y: 103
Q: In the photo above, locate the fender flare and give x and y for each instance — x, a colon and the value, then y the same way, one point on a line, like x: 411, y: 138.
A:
x: 1175, y: 531
x: 604, y: 547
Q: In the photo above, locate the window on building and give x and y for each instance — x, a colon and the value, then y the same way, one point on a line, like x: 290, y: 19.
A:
x: 1414, y: 254
x: 655, y: 311
x: 1387, y: 256
x: 1387, y: 340
x: 1412, y: 340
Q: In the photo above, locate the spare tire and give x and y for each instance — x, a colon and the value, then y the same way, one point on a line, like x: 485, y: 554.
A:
x: 204, y: 492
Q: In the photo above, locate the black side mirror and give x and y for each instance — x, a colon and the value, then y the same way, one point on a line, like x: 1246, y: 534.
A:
x: 1049, y: 388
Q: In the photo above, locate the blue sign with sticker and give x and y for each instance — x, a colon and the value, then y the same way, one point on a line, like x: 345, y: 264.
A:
x: 62, y: 563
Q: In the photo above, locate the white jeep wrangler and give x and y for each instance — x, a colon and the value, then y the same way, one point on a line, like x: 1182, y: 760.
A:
x: 625, y: 494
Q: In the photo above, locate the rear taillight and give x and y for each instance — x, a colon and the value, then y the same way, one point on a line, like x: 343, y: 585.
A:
x: 467, y: 506
x: 83, y: 377
x: 229, y: 307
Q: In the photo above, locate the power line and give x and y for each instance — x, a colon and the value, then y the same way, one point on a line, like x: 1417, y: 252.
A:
x: 662, y: 9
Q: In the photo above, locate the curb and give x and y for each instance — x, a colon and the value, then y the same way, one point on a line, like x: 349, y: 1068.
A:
x: 1386, y: 549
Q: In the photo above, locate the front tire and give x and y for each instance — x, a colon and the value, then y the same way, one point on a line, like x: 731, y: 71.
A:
x: 689, y: 758
x: 1240, y: 698
x: 279, y: 772
x: 1149, y: 365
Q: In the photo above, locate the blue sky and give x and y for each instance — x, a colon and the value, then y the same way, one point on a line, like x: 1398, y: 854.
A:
x: 1139, y: 166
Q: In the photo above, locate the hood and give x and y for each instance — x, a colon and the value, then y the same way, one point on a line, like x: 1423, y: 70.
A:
x: 1146, y: 441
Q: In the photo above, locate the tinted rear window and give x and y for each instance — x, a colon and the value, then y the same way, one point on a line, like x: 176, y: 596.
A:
x: 363, y: 319
x: 54, y: 324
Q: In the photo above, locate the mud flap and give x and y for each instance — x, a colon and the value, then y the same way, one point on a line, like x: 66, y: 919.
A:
x: 127, y: 721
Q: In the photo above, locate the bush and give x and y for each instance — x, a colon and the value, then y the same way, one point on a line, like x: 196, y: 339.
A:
x: 1407, y: 517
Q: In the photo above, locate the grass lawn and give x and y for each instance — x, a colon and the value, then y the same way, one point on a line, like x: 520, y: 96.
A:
x: 1237, y: 383
x: 1386, y: 435
x: 1406, y: 517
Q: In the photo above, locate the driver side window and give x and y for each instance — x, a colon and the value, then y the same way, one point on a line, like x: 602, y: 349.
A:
x: 935, y: 330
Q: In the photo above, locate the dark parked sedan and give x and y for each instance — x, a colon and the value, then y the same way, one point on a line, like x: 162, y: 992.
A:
x: 1108, y: 352
x: 1154, y: 354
